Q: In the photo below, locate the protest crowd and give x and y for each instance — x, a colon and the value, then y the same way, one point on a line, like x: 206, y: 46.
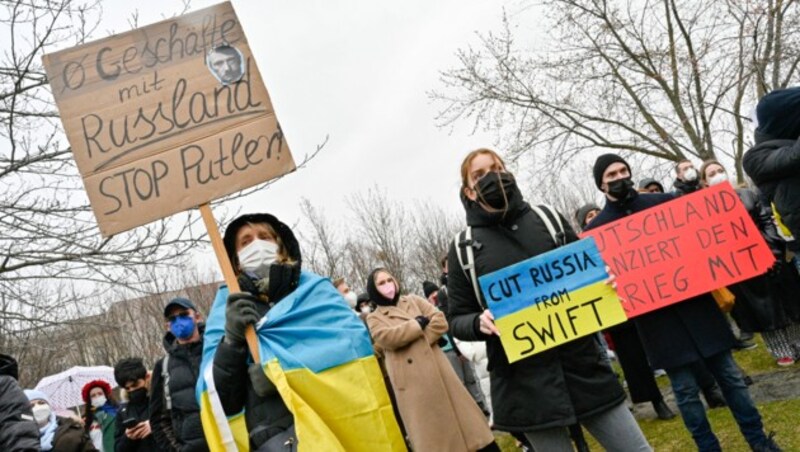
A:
x: 544, y: 326
x: 449, y: 381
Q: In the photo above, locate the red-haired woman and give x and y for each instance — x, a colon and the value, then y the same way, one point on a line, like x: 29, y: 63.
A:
x: 101, y: 411
x: 541, y: 395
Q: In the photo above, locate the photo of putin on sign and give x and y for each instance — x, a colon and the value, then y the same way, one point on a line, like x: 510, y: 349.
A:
x: 226, y: 63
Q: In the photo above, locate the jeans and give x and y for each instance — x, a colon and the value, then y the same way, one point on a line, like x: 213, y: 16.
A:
x: 730, y: 381
x: 615, y: 430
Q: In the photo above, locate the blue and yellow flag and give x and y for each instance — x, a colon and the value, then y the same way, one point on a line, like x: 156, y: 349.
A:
x: 319, y: 355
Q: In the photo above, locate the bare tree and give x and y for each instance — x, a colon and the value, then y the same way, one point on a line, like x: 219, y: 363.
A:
x: 51, y: 253
x: 668, y: 79
x: 386, y: 233
x: 323, y: 252
x: 125, y: 324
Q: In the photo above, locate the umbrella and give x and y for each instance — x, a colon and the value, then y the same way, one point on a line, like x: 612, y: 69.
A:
x: 64, y: 389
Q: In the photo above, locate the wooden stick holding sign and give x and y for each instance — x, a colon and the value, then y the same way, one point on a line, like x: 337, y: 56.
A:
x: 227, y: 272
x: 166, y: 118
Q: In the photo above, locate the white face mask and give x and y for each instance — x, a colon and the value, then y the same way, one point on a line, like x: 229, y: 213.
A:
x: 690, y: 175
x: 259, y: 254
x: 351, y: 298
x: 99, y: 401
x: 718, y: 179
x: 365, y: 310
x: 41, y: 413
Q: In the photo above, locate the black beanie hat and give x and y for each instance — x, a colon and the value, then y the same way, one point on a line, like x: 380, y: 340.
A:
x: 9, y: 366
x: 361, y: 299
x: 375, y: 295
x: 778, y: 114
x: 428, y: 288
x: 584, y: 210
x: 603, y: 162
x: 648, y: 182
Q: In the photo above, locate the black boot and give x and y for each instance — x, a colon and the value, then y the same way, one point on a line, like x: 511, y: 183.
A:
x: 662, y: 410
x: 713, y: 396
x: 767, y: 446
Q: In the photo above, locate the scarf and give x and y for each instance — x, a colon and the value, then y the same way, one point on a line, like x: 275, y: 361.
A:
x: 48, y: 432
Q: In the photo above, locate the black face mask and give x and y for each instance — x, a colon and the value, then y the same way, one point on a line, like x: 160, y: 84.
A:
x: 497, y: 190
x: 620, y: 189
x: 138, y: 396
x: 443, y: 279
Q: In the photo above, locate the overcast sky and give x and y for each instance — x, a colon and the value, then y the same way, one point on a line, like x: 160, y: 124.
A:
x: 358, y: 72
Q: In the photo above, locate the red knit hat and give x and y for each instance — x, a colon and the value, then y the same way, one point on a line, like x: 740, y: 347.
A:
x: 102, y: 384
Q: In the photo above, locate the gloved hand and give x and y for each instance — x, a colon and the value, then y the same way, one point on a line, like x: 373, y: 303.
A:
x: 262, y: 385
x: 283, y: 279
x: 239, y: 312
x: 423, y: 321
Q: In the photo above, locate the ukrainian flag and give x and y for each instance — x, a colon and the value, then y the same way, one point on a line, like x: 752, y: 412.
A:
x: 319, y: 355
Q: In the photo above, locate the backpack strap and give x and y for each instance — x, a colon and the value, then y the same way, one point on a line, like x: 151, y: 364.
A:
x: 465, y: 247
x: 545, y: 212
x: 165, y: 377
x: 463, y: 240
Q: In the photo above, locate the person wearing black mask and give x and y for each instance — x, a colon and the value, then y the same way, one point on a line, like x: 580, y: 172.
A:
x: 438, y: 412
x: 174, y: 410
x: 133, y: 432
x: 685, y: 336
x: 545, y: 393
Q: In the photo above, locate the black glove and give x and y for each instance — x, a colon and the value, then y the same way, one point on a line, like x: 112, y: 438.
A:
x: 262, y: 385
x: 423, y: 321
x: 239, y: 312
x: 283, y: 279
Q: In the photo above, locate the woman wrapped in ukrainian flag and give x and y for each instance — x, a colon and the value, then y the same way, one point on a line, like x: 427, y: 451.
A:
x: 317, y: 376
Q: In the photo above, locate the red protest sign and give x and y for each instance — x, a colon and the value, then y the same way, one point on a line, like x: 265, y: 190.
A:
x: 682, y: 248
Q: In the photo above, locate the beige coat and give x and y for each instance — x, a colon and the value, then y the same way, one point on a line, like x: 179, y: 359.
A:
x: 438, y: 412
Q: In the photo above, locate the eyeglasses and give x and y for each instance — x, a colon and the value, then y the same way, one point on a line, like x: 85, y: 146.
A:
x: 175, y: 317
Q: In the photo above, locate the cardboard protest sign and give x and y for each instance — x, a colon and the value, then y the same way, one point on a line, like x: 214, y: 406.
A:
x: 167, y: 117
x: 682, y: 248
x: 550, y: 299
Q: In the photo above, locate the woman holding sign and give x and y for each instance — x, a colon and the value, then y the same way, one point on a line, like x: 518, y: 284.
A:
x: 310, y: 343
x: 766, y: 304
x: 542, y: 394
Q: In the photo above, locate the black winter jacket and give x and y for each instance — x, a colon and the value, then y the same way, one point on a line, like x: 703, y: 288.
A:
x: 681, y: 333
x: 774, y: 166
x: 18, y: 430
x: 265, y: 416
x: 684, y: 188
x: 180, y: 428
x: 71, y: 437
x: 122, y: 443
x: 766, y: 302
x: 554, y: 388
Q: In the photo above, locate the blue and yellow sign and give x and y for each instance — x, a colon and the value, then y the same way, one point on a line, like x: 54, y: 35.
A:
x: 552, y: 298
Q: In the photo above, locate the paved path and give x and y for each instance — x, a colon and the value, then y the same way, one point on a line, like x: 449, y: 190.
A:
x: 781, y: 384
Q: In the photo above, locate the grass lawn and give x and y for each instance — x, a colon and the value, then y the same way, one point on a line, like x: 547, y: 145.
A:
x: 781, y: 417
